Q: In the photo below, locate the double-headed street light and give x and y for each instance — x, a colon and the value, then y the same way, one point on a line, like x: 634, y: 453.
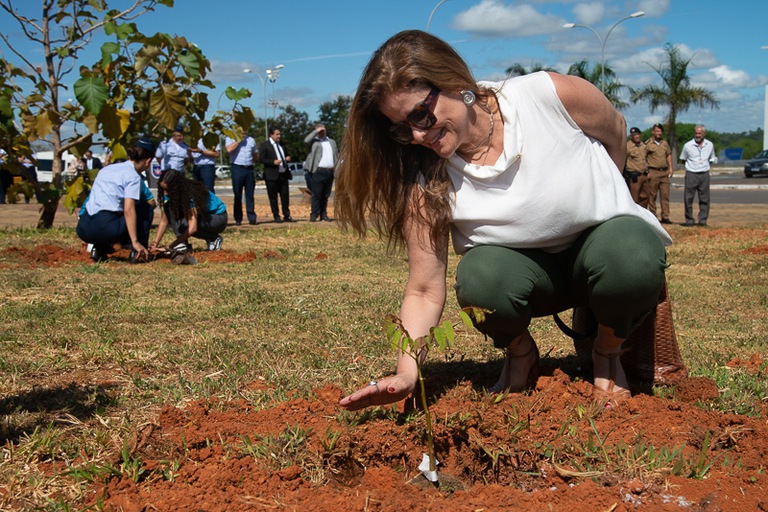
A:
x: 603, y: 40
x: 272, y: 75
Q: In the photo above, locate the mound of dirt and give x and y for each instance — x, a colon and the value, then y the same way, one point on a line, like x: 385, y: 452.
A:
x: 543, y: 450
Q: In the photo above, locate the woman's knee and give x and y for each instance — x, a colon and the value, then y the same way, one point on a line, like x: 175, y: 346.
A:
x: 495, y: 278
x: 483, y: 277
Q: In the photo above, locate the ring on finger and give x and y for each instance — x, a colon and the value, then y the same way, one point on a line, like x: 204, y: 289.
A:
x: 374, y: 383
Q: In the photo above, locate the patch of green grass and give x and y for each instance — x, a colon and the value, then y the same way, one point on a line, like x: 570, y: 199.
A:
x: 109, y: 344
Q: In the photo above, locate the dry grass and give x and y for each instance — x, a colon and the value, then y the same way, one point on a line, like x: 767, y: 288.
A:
x: 89, y: 352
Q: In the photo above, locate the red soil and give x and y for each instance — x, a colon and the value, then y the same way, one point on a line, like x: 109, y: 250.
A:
x: 522, y: 452
x: 375, y: 458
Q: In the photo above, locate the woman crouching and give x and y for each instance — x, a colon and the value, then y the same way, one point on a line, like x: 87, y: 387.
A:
x: 191, y: 210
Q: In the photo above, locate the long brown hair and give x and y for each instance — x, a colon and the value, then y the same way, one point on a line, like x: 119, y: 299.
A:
x: 376, y: 174
x: 182, y: 194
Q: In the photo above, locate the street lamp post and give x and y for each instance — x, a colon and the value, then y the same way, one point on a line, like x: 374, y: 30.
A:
x: 272, y: 75
x: 221, y: 139
x: 429, y: 21
x: 765, y: 111
x: 603, y: 40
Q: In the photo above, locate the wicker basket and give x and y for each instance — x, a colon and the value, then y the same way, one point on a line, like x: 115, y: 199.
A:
x: 650, y: 353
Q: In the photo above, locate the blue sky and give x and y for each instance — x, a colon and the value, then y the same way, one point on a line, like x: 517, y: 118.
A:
x: 324, y: 46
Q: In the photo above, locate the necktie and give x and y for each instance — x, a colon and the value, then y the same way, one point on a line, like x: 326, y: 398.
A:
x: 280, y: 155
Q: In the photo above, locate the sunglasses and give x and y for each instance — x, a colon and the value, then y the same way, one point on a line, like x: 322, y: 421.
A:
x: 420, y: 117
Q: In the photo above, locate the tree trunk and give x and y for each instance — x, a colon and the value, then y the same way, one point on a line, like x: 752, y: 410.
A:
x: 48, y: 213
x: 51, y: 202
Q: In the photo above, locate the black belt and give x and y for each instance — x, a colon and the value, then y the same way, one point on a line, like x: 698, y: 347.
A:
x: 325, y: 169
x: 658, y: 168
x: 249, y: 167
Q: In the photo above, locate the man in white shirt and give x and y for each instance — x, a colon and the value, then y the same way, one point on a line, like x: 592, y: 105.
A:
x: 204, y: 169
x: 172, y: 154
x: 697, y: 155
x: 91, y: 162
x: 321, y: 164
x: 241, y: 155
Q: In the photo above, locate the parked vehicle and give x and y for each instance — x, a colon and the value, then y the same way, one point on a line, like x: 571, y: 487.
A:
x: 296, y: 168
x: 45, y: 165
x: 222, y: 172
x: 757, y: 165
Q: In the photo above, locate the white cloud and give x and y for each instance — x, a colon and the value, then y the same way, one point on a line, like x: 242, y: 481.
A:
x: 232, y: 72
x: 732, y: 77
x: 494, y: 18
x: 589, y: 14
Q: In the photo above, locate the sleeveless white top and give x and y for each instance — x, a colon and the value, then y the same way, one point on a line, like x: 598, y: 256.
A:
x: 550, y: 184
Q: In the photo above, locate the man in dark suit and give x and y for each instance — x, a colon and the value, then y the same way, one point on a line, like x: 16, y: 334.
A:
x: 90, y: 161
x: 276, y: 174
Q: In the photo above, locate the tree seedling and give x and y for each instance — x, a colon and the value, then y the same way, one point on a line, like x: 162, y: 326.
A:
x: 442, y: 337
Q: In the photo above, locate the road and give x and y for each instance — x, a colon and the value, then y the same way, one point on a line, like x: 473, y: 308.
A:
x: 736, y: 200
x: 727, y: 188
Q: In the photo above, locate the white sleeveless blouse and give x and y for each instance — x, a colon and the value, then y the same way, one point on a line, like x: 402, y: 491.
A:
x: 550, y: 184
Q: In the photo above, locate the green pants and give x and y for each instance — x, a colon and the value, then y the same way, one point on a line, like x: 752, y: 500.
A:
x: 616, y: 269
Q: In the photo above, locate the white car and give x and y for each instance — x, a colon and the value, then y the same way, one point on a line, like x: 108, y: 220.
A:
x: 45, y: 164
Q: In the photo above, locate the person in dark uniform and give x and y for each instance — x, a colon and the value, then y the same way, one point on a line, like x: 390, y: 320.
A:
x: 659, y: 159
x: 635, y: 169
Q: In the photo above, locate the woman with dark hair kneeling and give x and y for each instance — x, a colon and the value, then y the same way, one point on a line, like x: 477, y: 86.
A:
x: 114, y: 212
x: 191, y: 210
x: 525, y: 177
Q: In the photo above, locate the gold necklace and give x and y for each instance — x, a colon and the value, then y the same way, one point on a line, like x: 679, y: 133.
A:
x: 487, y: 142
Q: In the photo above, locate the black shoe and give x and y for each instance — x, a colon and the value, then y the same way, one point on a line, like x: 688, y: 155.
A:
x: 252, y: 222
x: 133, y: 257
x: 237, y: 223
x: 98, y: 254
x: 313, y: 219
x: 666, y: 221
x: 327, y: 219
x: 688, y: 224
x: 703, y: 224
x: 288, y: 219
x: 277, y: 219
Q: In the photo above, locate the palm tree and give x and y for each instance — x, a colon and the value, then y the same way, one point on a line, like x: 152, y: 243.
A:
x: 675, y: 92
x: 612, y: 87
x: 518, y: 69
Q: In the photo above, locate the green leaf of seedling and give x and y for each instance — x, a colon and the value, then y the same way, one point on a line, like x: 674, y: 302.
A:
x: 466, y: 319
x: 479, y: 316
x: 438, y: 335
x: 450, y: 334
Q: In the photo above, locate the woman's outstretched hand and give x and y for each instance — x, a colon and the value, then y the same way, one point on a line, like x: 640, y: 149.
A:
x: 386, y: 391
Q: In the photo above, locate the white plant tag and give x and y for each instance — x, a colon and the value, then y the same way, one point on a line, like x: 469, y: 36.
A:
x: 424, y: 468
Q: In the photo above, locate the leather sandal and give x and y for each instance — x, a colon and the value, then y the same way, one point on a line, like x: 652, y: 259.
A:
x: 611, y: 397
x: 514, y: 362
